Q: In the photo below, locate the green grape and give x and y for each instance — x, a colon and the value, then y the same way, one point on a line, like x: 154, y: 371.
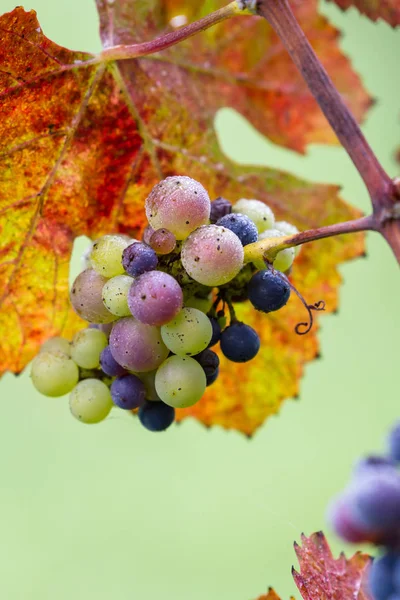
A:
x: 203, y: 304
x: 261, y: 214
x: 90, y: 401
x: 115, y: 294
x: 188, y: 333
x: 106, y: 255
x: 86, y: 348
x: 284, y: 259
x: 54, y: 374
x: 288, y: 229
x: 180, y: 381
x: 149, y: 383
x: 56, y: 344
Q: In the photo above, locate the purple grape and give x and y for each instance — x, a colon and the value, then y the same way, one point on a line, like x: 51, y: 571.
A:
x: 136, y: 346
x: 381, y: 576
x: 372, y: 464
x: 109, y: 365
x: 268, y: 291
x: 343, y: 523
x: 128, y: 392
x: 239, y: 342
x: 138, y: 258
x: 241, y: 226
x: 155, y: 298
x: 219, y: 208
x: 86, y: 297
x: 394, y: 442
x: 216, y: 332
x: 213, y: 377
x: 208, y: 360
x: 396, y: 574
x: 147, y: 233
x: 156, y: 416
x: 376, y: 499
x: 163, y: 241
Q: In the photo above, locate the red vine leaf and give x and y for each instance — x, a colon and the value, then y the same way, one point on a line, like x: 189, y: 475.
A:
x: 388, y: 10
x: 82, y: 144
x: 322, y: 577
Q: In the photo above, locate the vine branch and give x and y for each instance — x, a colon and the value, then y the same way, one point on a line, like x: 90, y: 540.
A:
x: 383, y: 191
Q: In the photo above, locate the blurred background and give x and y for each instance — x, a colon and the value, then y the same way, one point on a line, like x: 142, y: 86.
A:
x: 113, y: 511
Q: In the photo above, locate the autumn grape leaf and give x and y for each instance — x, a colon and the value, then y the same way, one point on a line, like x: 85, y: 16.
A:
x: 388, y: 10
x: 83, y: 142
x: 271, y: 595
x: 322, y: 577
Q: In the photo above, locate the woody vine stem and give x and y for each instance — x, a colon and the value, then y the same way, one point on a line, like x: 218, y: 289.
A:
x: 383, y: 191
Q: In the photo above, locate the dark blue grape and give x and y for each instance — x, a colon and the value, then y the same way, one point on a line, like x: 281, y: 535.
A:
x: 128, y: 392
x: 394, y: 442
x: 138, y: 258
x: 219, y: 207
x: 342, y: 522
x: 396, y: 574
x: 268, y: 291
x: 241, y: 226
x: 381, y: 576
x: 208, y: 360
x: 109, y: 365
x: 239, y: 342
x: 156, y: 416
x: 213, y: 377
x: 376, y: 499
x: 216, y: 332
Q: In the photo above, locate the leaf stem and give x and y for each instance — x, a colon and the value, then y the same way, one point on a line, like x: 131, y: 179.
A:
x: 123, y: 52
x: 269, y: 247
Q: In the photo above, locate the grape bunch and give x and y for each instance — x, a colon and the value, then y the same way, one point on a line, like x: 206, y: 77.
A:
x: 368, y: 510
x: 156, y: 307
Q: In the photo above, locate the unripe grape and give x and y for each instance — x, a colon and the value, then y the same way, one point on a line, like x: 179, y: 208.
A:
x: 87, y: 346
x: 90, y: 401
x: 180, y: 381
x: 179, y: 204
x: 162, y: 241
x: 54, y: 374
x: 261, y: 215
x: 106, y: 255
x: 284, y: 259
x: 115, y: 295
x: 212, y: 255
x: 56, y: 344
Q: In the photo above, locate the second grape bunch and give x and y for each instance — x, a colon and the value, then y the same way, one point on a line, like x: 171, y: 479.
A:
x: 155, y: 307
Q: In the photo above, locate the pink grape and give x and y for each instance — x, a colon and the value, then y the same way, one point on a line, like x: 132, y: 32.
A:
x: 136, y: 346
x: 86, y: 297
x: 179, y: 204
x: 155, y: 298
x: 163, y: 241
x: 212, y: 255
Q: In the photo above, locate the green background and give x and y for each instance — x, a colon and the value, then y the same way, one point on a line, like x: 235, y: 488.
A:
x: 112, y: 511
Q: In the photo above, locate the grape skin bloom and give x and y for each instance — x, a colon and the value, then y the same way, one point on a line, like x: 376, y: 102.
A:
x: 212, y: 255
x: 136, y: 346
x: 180, y: 381
x: 179, y: 204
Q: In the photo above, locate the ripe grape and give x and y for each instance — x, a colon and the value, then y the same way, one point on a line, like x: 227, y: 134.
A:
x: 56, y: 344
x: 179, y: 204
x: 128, y: 392
x: 376, y: 499
x: 268, y: 291
x: 212, y: 255
x: 188, y: 333
x: 90, y: 401
x: 209, y: 361
x: 115, y: 295
x: 162, y: 241
x: 239, y: 342
x: 106, y: 255
x: 136, y: 346
x: 241, y: 225
x: 54, y: 373
x: 343, y: 523
x: 86, y: 297
x: 216, y: 332
x: 381, y: 576
x: 371, y: 464
x: 109, y: 365
x: 219, y: 208
x: 138, y: 259
x: 87, y: 346
x: 180, y: 381
x: 212, y: 377
x: 394, y: 442
x: 284, y: 259
x: 155, y: 298
x: 261, y: 215
x: 156, y: 416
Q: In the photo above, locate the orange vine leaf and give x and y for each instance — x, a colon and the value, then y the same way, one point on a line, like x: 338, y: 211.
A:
x: 388, y: 10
